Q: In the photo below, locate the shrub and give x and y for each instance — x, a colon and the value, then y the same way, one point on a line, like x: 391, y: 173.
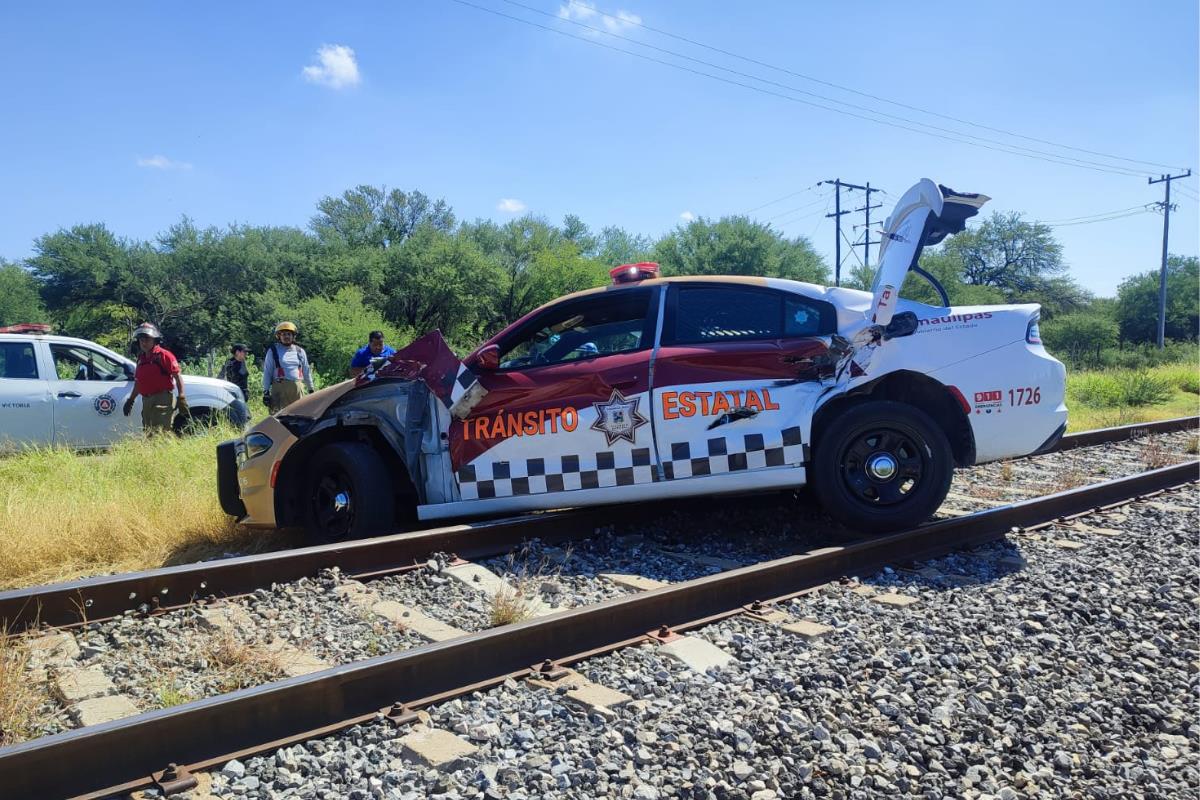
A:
x: 1079, y: 338
x: 1116, y: 388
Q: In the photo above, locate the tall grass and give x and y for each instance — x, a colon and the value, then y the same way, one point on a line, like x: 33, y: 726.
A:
x: 139, y: 505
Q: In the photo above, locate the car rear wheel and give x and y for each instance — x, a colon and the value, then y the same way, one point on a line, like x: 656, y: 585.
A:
x: 882, y: 466
x: 349, y: 493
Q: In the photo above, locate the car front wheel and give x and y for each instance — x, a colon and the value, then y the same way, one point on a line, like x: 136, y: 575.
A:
x: 349, y: 493
x: 882, y: 466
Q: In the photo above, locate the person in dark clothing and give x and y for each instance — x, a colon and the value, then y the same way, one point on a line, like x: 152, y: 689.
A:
x: 235, y: 370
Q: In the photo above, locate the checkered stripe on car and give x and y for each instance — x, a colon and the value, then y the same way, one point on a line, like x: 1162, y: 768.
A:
x: 714, y: 456
x: 555, y: 474
x: 721, y: 454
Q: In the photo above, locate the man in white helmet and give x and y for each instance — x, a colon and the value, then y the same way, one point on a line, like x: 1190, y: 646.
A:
x: 285, y: 369
x: 157, y: 373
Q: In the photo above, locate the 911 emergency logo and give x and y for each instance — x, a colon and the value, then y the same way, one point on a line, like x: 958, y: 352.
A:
x: 105, y: 405
x: 618, y: 418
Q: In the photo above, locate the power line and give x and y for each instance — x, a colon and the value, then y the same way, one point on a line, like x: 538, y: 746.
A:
x: 1087, y: 216
x: 785, y: 197
x: 1008, y: 149
x: 793, y: 210
x: 1016, y: 149
x: 1102, y: 219
x: 731, y: 54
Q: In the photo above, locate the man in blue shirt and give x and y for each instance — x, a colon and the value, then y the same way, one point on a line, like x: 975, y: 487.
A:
x: 375, y: 348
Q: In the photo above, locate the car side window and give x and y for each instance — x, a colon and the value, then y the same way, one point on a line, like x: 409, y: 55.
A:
x: 706, y: 314
x: 715, y: 313
x: 574, y: 331
x: 803, y: 317
x: 75, y: 363
x: 17, y: 360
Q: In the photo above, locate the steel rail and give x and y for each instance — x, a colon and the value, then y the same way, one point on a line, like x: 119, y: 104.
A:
x: 107, y: 596
x: 1124, y: 432
x: 120, y: 755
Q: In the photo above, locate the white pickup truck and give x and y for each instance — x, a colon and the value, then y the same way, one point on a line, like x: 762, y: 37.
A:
x: 57, y: 390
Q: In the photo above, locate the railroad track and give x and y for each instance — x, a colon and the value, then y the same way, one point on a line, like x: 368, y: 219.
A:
x: 123, y: 755
x: 159, y: 590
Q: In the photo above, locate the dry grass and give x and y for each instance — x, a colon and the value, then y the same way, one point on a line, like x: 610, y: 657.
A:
x: 1155, y: 454
x: 1193, y: 446
x: 141, y: 504
x: 1006, y: 472
x: 1070, y: 477
x: 237, y: 664
x: 520, y: 597
x: 19, y: 696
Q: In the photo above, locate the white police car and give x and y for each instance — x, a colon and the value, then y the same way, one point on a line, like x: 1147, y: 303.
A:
x: 57, y: 390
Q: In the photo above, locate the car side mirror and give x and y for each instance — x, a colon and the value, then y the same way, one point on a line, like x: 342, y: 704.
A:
x: 902, y: 324
x: 487, y: 358
x: 128, y: 371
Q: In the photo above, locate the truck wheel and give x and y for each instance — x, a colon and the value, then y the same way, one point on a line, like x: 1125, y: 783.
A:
x: 882, y: 466
x: 349, y: 493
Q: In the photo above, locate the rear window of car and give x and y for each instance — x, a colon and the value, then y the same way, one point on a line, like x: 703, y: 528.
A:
x: 17, y: 360
x: 702, y: 314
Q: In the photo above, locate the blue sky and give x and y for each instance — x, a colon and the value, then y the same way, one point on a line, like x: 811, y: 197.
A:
x: 134, y: 114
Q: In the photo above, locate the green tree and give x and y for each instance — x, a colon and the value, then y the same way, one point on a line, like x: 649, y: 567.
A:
x: 618, y: 246
x: 441, y: 281
x: 371, y: 216
x: 1137, y: 302
x: 1022, y: 259
x: 1080, y: 337
x: 738, y: 246
x: 19, y: 298
x: 332, y: 328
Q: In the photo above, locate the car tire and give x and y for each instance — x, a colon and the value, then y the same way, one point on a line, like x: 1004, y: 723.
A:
x: 195, y: 422
x: 882, y: 466
x: 348, y: 493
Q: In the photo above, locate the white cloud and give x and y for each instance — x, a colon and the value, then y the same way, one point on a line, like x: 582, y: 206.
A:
x: 687, y: 216
x: 586, y: 12
x: 336, y: 67
x: 162, y: 162
x: 510, y: 205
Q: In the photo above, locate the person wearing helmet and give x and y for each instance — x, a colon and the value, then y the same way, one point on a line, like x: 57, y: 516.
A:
x: 285, y: 369
x: 235, y: 370
x: 156, y: 374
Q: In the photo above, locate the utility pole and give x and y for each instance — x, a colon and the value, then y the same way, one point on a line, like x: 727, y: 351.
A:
x: 866, y: 242
x: 1165, y: 205
x: 839, y: 184
x: 837, y: 233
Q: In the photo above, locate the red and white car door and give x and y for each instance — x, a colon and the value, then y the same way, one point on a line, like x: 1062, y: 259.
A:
x: 735, y: 378
x: 568, y: 407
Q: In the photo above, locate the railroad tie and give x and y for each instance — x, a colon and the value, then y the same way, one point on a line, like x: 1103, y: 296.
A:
x: 412, y: 619
x: 594, y: 697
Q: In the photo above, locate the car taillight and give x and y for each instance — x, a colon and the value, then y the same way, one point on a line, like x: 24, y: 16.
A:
x: 1033, y: 335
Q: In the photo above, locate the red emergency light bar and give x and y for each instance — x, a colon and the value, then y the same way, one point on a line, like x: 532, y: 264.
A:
x: 632, y: 273
x: 26, y: 327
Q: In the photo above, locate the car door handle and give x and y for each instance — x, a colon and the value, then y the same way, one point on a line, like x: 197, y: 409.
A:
x: 69, y: 394
x: 624, y: 384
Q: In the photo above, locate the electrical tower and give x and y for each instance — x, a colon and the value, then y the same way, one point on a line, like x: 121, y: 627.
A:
x: 839, y: 184
x: 1166, y: 207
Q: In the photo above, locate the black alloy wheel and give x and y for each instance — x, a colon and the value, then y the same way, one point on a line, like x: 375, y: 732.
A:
x: 881, y: 466
x: 349, y: 493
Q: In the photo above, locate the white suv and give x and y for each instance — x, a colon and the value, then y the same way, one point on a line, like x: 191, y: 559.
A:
x: 56, y: 390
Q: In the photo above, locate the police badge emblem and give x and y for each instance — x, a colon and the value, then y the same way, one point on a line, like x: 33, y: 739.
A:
x: 618, y: 418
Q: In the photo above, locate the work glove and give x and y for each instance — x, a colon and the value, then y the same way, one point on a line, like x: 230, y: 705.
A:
x: 128, y: 407
x: 181, y: 406
x: 267, y: 398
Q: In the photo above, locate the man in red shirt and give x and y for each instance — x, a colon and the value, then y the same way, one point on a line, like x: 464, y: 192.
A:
x: 157, y: 373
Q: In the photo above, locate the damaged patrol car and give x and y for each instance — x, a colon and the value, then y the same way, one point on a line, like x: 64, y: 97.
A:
x: 672, y: 387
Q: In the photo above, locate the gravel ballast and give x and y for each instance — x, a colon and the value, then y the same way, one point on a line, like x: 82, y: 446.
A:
x: 1024, y: 670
